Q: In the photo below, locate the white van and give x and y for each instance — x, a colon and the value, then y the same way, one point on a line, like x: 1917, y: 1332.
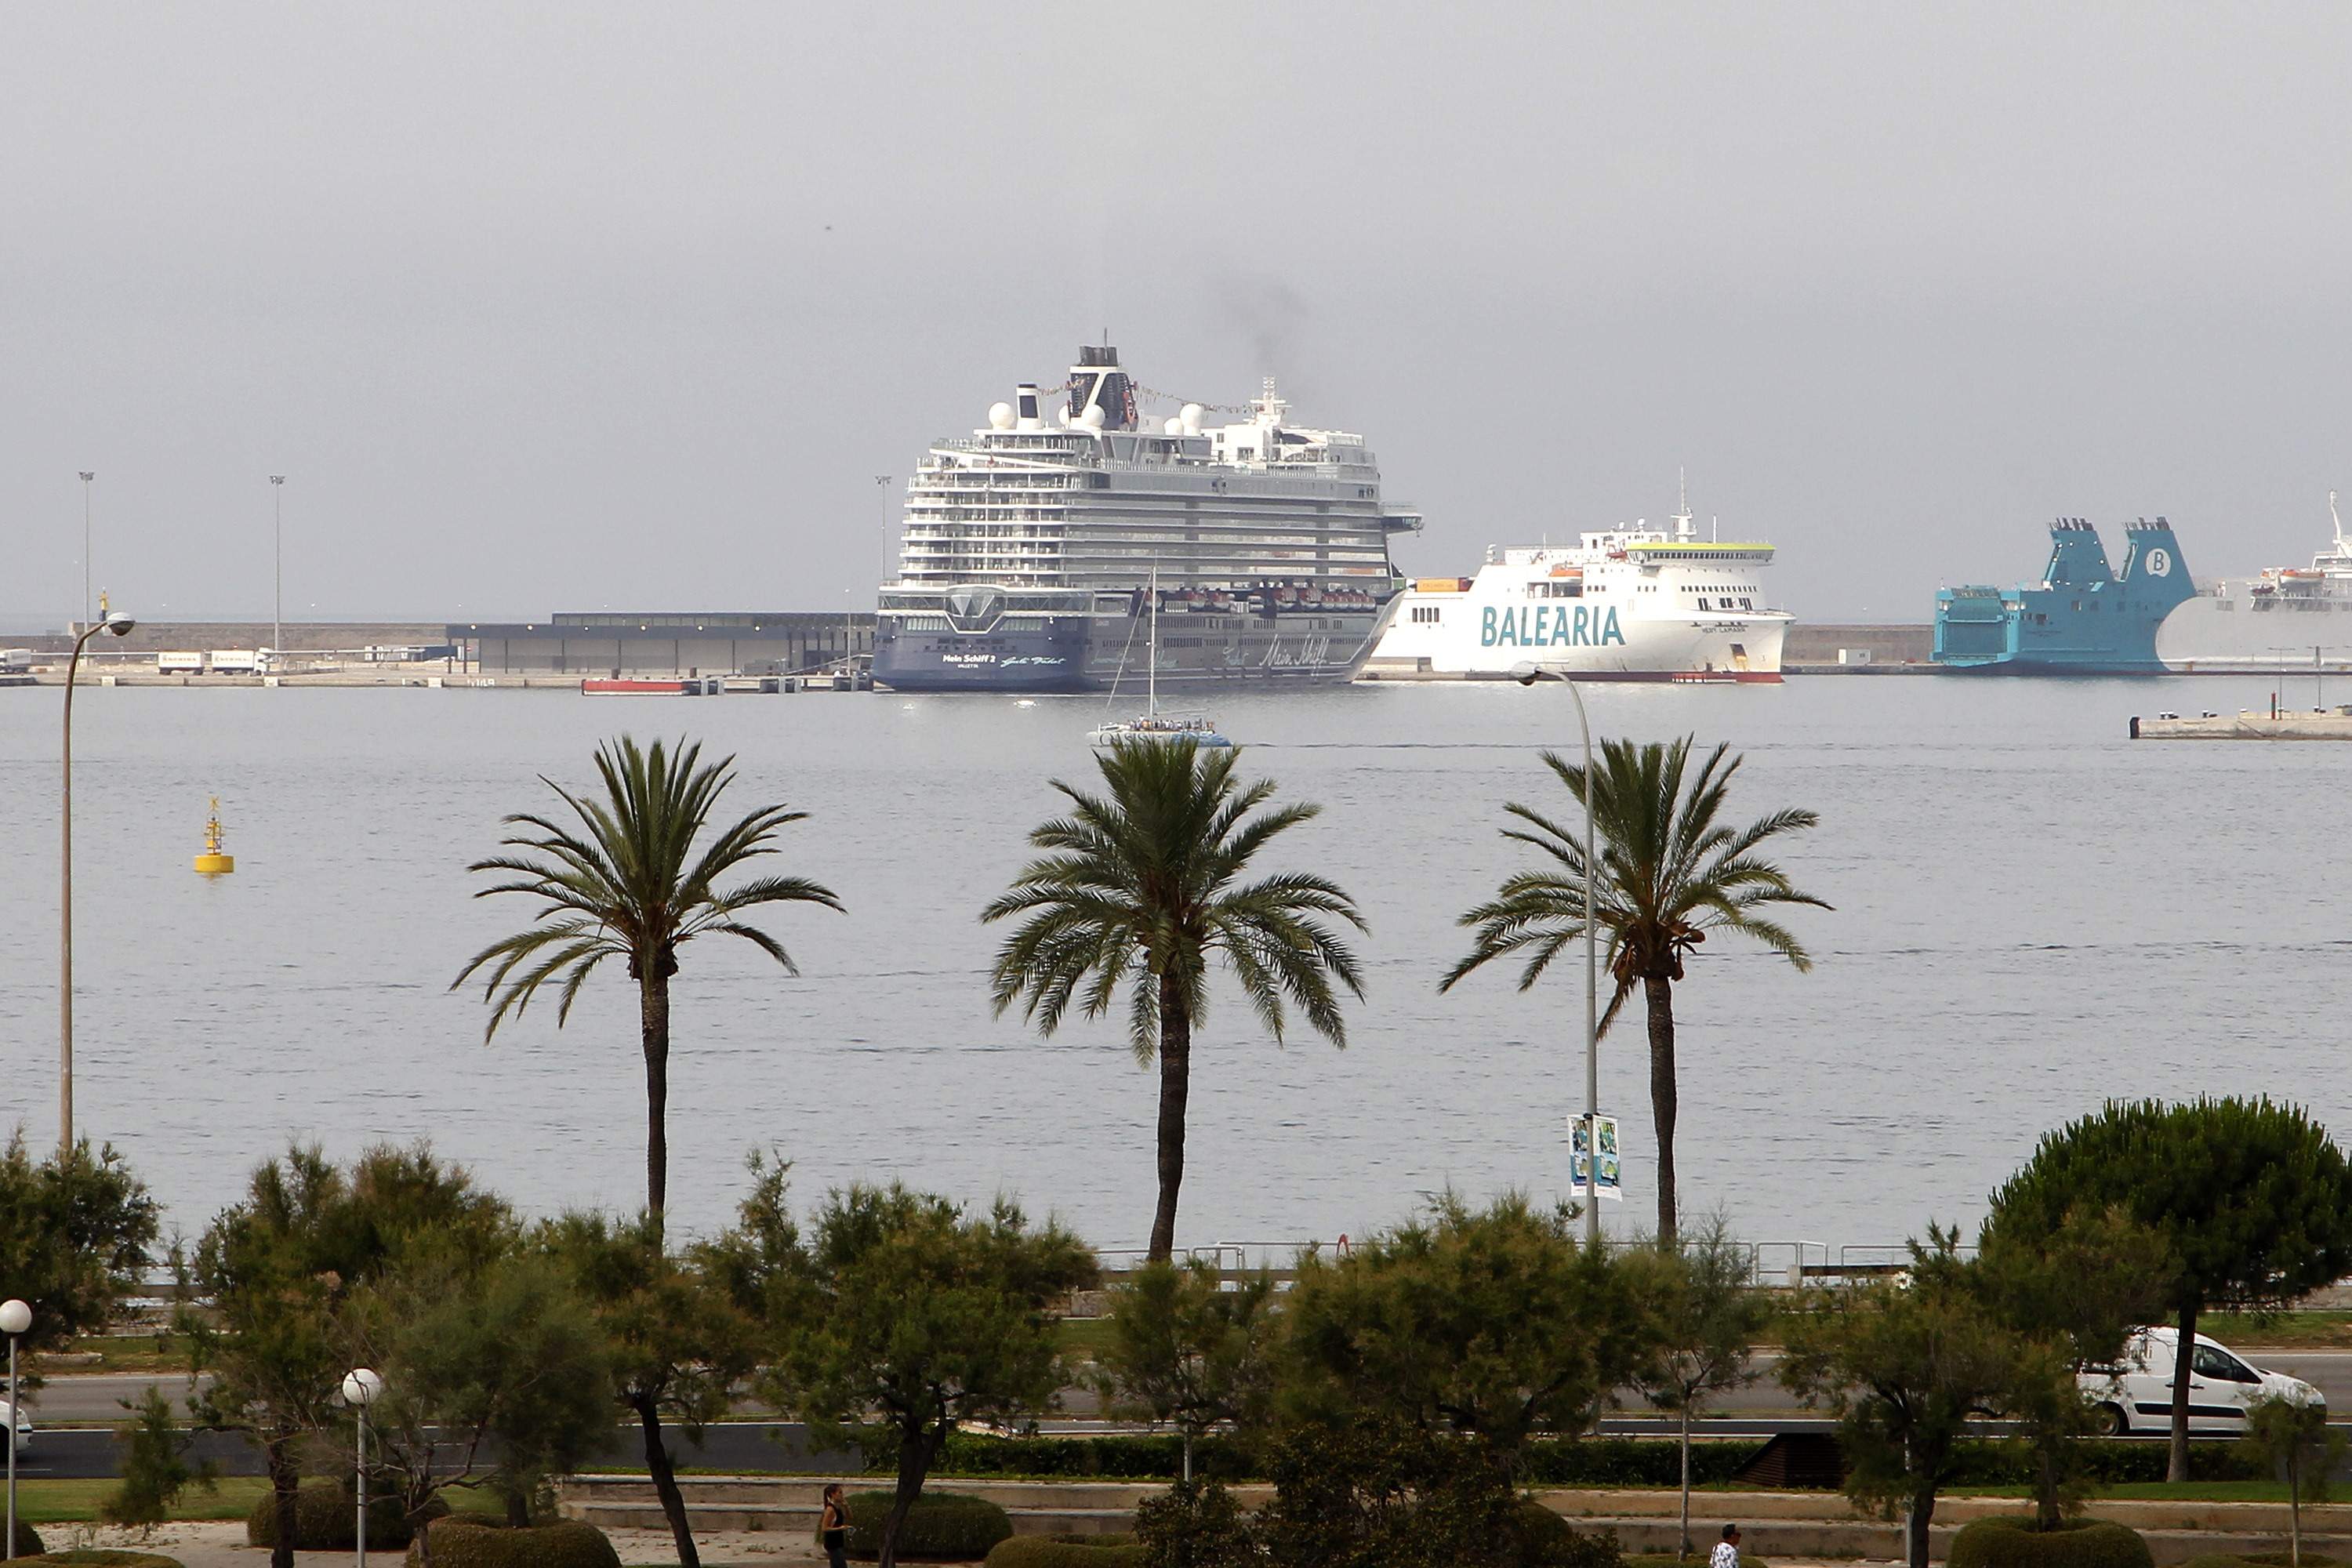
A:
x: 2135, y: 1393
x: 23, y: 1425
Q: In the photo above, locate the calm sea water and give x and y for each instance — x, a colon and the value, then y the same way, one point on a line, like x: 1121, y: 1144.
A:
x: 2033, y: 913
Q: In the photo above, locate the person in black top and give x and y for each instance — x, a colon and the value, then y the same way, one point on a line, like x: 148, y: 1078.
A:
x: 833, y: 1527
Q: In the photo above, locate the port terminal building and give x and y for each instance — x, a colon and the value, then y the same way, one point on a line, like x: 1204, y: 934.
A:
x: 610, y: 644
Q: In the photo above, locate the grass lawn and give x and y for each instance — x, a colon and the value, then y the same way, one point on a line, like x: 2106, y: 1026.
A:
x: 2155, y: 1492
x: 76, y: 1501
x: 1083, y: 1337
x: 2279, y: 1330
x: 127, y: 1353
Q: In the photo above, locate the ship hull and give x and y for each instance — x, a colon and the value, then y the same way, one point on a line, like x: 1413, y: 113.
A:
x: 2243, y: 634
x: 1744, y: 649
x: 1095, y: 654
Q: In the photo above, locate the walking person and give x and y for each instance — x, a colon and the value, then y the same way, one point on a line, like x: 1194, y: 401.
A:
x: 833, y: 1527
x: 1727, y: 1551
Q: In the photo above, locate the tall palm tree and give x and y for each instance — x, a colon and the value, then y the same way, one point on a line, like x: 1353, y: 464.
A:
x: 1671, y: 871
x: 625, y: 882
x: 1140, y: 889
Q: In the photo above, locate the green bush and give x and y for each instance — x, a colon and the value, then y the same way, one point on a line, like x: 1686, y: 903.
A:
x: 101, y: 1557
x: 1547, y: 1540
x: 1066, y: 1551
x: 28, y: 1540
x: 473, y: 1541
x: 2262, y: 1560
x: 326, y: 1519
x: 941, y: 1524
x: 2011, y: 1540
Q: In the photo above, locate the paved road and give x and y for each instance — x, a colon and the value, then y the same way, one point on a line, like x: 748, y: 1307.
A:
x: 93, y: 1405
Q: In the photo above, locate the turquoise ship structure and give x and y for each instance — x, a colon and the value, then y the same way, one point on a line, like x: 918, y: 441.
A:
x: 2082, y: 618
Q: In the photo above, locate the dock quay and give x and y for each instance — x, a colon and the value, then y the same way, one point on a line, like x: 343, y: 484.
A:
x: 2276, y: 724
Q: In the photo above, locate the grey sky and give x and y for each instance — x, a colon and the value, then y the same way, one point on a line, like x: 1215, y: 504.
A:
x: 548, y: 307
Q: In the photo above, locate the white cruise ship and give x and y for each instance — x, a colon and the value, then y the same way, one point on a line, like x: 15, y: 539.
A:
x: 1629, y: 604
x: 1029, y: 550
x: 2284, y: 619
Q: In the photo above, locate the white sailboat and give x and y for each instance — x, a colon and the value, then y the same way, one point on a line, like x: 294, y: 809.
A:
x: 1151, y: 724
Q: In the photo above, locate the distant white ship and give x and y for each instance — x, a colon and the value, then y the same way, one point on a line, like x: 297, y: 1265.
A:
x: 1630, y: 603
x: 2284, y: 618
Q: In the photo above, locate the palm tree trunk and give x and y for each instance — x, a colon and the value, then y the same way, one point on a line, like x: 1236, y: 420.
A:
x: 653, y: 1016
x: 1175, y: 1089
x: 1659, y: 992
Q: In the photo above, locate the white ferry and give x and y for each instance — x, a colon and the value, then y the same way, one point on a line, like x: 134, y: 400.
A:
x: 2283, y: 619
x: 1629, y: 604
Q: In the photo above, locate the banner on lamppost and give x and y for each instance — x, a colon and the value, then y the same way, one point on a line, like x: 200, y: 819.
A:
x: 1579, y: 1160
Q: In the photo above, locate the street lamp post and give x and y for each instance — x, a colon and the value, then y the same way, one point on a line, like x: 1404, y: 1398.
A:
x: 361, y: 1387
x: 14, y: 1319
x: 121, y: 627
x: 86, y: 475
x: 278, y: 553
x: 1529, y: 675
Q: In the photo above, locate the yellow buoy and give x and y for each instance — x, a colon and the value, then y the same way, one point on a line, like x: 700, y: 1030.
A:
x: 212, y: 862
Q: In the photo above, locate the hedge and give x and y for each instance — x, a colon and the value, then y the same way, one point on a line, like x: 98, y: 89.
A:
x: 1066, y: 1551
x: 1559, y: 1462
x: 28, y: 1540
x: 101, y: 1557
x: 940, y: 1525
x: 464, y: 1542
x: 2011, y: 1540
x: 326, y: 1519
x: 2262, y: 1560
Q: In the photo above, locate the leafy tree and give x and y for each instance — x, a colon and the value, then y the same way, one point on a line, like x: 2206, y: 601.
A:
x: 278, y: 1267
x: 155, y: 1469
x: 1186, y: 1350
x: 2253, y: 1197
x: 1671, y: 871
x: 1140, y: 889
x: 625, y: 882
x: 2295, y: 1438
x: 1707, y: 1315
x: 1903, y: 1365
x: 920, y: 1316
x: 2077, y: 1293
x: 75, y: 1234
x: 1496, y: 1323
x: 1377, y: 1493
x: 676, y: 1344
x: 493, y: 1376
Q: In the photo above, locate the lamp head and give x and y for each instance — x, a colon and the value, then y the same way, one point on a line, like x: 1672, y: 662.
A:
x: 15, y: 1317
x: 120, y: 625
x: 361, y: 1387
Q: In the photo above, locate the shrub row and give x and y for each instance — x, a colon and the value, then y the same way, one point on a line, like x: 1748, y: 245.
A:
x: 1066, y: 1551
x: 475, y: 1541
x: 107, y: 1557
x: 2106, y: 1460
x: 940, y: 1525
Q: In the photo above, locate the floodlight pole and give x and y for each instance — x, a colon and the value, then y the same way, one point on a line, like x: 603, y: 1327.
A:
x: 1591, y: 976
